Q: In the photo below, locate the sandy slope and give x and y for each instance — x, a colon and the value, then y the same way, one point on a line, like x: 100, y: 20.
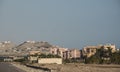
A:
x: 27, y: 69
x: 81, y: 68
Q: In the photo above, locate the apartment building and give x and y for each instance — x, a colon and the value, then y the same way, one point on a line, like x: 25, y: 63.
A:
x: 88, y: 51
x: 60, y: 51
x: 34, y: 52
x: 72, y: 53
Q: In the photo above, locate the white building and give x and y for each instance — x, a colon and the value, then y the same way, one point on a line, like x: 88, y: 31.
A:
x: 50, y: 60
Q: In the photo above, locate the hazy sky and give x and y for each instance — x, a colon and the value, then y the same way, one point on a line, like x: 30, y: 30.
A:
x: 66, y: 23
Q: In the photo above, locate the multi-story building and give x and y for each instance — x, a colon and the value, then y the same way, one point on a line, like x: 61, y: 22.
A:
x: 34, y: 52
x: 53, y: 50
x: 72, y: 53
x: 60, y: 51
x: 111, y: 46
x: 88, y: 51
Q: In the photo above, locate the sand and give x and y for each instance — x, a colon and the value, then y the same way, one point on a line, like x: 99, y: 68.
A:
x: 80, y: 67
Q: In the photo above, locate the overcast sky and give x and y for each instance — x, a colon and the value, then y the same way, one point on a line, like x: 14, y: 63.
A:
x: 66, y: 23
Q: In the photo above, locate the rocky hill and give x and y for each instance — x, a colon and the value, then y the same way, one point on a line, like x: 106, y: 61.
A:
x: 8, y: 48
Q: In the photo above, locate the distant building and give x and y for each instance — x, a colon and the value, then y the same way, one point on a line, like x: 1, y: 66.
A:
x: 111, y: 46
x: 30, y: 41
x: 34, y: 52
x: 60, y: 51
x: 50, y: 60
x: 33, y: 59
x: 72, y: 53
x: 88, y: 51
x: 8, y: 60
x: 53, y: 50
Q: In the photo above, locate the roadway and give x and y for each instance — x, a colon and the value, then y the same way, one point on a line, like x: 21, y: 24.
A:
x: 7, y: 67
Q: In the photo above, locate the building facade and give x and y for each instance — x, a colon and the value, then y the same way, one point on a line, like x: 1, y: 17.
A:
x: 88, y: 51
x: 50, y: 60
x: 72, y: 53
